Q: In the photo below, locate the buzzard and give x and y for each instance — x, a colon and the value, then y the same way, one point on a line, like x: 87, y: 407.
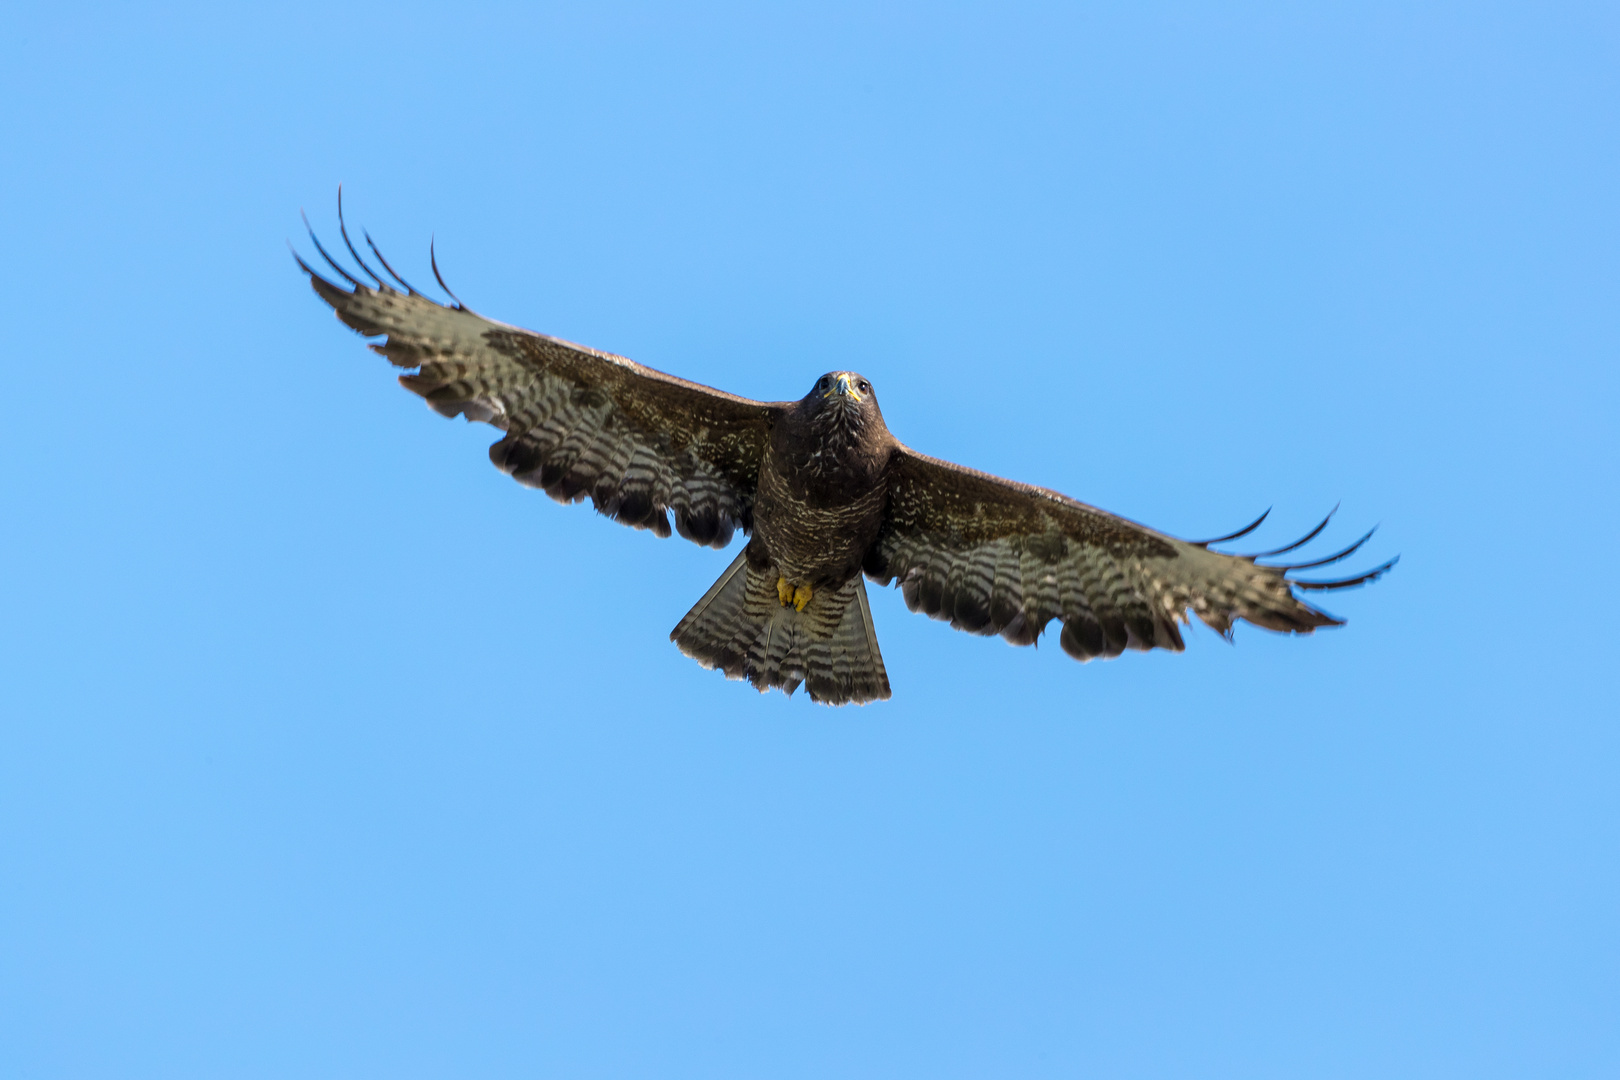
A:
x: 824, y: 493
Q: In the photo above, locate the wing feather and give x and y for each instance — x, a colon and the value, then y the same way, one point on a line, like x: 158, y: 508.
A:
x: 992, y: 556
x: 579, y: 423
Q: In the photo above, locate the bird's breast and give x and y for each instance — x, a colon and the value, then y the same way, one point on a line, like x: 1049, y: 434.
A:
x: 813, y: 520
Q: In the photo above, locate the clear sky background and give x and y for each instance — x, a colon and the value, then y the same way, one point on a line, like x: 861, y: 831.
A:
x: 328, y: 751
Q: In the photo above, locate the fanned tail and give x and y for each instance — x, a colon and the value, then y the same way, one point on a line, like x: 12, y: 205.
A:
x: 741, y: 628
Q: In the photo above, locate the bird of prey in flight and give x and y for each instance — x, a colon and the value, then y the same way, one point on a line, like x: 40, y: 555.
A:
x: 825, y: 495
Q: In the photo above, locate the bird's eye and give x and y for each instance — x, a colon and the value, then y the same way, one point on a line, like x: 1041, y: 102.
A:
x: 822, y: 385
x: 866, y: 387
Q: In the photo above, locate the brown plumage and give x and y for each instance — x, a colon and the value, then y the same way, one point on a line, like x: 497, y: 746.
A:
x: 825, y: 492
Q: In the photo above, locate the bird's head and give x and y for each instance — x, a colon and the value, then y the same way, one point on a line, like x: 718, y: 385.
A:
x: 844, y: 397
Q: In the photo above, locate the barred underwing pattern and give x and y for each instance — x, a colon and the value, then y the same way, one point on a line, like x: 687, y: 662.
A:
x: 641, y: 445
x: 990, y: 556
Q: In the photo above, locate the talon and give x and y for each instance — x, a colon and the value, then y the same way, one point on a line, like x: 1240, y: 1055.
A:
x: 784, y: 591
x: 801, y: 597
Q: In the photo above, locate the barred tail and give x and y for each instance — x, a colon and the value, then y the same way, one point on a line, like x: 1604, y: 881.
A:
x: 741, y: 628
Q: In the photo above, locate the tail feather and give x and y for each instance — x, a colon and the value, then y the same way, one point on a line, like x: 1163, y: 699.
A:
x: 741, y: 628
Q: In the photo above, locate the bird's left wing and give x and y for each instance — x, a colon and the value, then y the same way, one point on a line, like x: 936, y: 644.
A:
x: 992, y: 556
x: 579, y: 423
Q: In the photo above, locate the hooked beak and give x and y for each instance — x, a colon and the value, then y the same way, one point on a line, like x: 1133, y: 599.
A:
x: 843, y: 385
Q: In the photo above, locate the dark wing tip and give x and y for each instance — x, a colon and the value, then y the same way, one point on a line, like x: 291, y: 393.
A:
x: 1245, y: 531
x: 350, y: 278
x: 433, y: 260
x: 343, y: 228
x: 299, y: 259
x: 1351, y: 582
x: 1335, y: 557
x: 409, y: 290
x: 1302, y: 541
x: 330, y: 290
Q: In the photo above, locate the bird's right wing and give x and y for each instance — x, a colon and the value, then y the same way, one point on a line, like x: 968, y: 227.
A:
x: 579, y: 423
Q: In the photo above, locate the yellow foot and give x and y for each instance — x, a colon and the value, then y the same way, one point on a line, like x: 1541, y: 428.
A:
x: 794, y: 596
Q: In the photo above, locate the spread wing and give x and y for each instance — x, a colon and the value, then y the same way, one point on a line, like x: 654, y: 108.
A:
x: 579, y: 423
x: 991, y: 556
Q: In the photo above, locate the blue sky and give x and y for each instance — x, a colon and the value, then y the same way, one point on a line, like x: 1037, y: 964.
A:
x: 328, y: 751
